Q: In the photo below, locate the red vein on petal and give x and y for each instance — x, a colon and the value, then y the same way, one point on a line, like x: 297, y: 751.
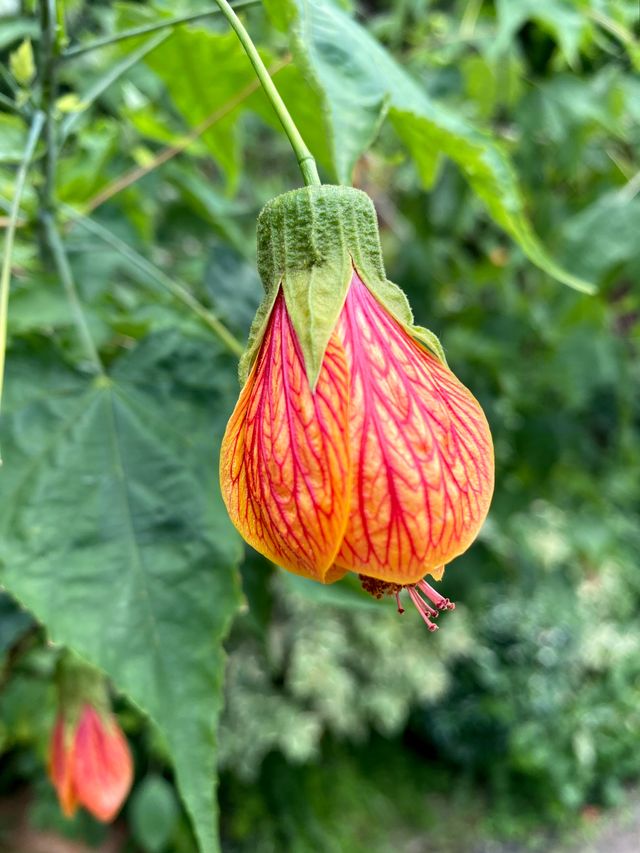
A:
x: 422, y: 451
x: 285, y: 471
x: 102, y: 764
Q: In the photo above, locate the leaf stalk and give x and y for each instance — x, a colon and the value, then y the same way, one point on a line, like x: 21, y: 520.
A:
x: 5, y: 276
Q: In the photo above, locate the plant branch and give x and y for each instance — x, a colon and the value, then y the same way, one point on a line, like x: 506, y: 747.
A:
x: 305, y: 158
x: 8, y: 79
x: 5, y: 276
x: 51, y: 242
x: 48, y: 76
x: 56, y: 247
x: 183, y: 143
x: 80, y: 49
x: 179, y: 290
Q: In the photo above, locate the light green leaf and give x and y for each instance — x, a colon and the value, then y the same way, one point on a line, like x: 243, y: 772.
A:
x: 13, y: 138
x: 203, y: 71
x: 347, y: 593
x: 306, y: 108
x: 358, y: 80
x: 565, y: 20
x: 604, y: 235
x: 115, y: 536
x: 21, y: 63
x: 352, y: 93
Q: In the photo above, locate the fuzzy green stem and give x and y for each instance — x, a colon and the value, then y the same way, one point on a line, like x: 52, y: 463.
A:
x: 305, y: 158
x: 80, y: 49
x: 5, y: 275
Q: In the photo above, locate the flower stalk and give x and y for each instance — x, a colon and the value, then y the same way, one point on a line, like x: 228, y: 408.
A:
x: 306, y: 160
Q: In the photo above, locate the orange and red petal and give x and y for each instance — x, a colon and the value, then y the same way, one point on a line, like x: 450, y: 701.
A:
x: 421, y: 451
x: 60, y: 768
x: 285, y: 472
x: 102, y: 764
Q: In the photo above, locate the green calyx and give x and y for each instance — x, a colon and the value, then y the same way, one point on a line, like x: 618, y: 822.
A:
x: 310, y: 241
x: 80, y: 684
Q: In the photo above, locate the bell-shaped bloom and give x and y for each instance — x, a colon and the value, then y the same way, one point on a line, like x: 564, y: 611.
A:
x: 90, y: 763
x: 378, y: 462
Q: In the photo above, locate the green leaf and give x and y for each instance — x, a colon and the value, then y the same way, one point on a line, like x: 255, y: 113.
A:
x: 347, y: 593
x: 354, y: 99
x: 154, y: 814
x: 233, y: 285
x: 21, y: 63
x: 13, y: 138
x: 203, y: 71
x: 306, y: 108
x: 186, y: 64
x: 604, y: 235
x: 359, y: 80
x: 14, y: 622
x: 115, y: 536
x: 12, y: 30
x: 83, y: 173
x: 565, y: 21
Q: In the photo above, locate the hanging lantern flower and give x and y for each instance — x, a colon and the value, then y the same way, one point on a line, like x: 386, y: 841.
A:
x: 353, y: 447
x: 89, y: 759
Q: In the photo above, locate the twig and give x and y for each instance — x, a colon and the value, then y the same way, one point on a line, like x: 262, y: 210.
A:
x: 8, y: 79
x: 470, y: 19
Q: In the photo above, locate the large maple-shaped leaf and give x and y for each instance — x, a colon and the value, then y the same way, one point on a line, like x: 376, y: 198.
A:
x: 115, y: 537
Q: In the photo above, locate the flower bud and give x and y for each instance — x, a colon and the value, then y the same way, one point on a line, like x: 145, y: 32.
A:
x: 353, y: 447
x: 89, y: 759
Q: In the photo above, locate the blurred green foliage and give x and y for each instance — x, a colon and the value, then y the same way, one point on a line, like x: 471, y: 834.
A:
x: 345, y: 727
